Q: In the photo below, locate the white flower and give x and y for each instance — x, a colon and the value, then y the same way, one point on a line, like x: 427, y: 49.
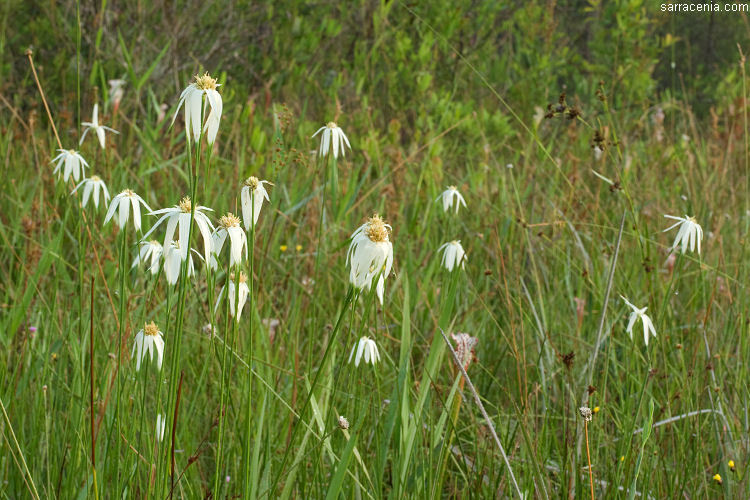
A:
x: 453, y: 255
x: 93, y: 185
x: 367, y: 347
x: 251, y: 198
x: 123, y: 201
x: 94, y: 125
x: 180, y: 214
x: 229, y: 225
x: 192, y: 98
x: 145, y: 341
x: 370, y: 255
x: 648, y: 325
x: 451, y: 196
x: 160, y: 424
x: 231, y: 285
x: 116, y: 92
x: 690, y: 232
x: 174, y: 256
x: 74, y: 164
x: 465, y: 345
x: 150, y: 251
x: 333, y: 138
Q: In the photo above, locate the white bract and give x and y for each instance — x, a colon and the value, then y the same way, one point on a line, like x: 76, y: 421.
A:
x: 451, y: 197
x: 370, y: 255
x: 160, y: 424
x: 93, y: 185
x: 333, y: 138
x: 229, y: 225
x: 150, y: 252
x: 251, y: 197
x: 180, y: 215
x: 453, y: 255
x: 73, y: 163
x: 648, y: 325
x: 365, y: 347
x: 123, y: 202
x: 232, y: 297
x: 689, y: 234
x: 96, y: 127
x: 174, y: 256
x: 146, y: 340
x: 192, y: 98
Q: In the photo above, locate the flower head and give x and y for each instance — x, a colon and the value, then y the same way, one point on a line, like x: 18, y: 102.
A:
x: 232, y: 297
x: 93, y: 185
x: 73, y: 163
x: 343, y: 422
x: 333, y: 138
x: 150, y: 252
x: 465, y: 345
x: 145, y: 341
x: 451, y: 197
x: 367, y: 347
x: 116, y: 92
x: 192, y: 98
x: 453, y: 255
x: 123, y: 202
x: 174, y: 255
x: 648, y: 325
x: 179, y: 215
x: 251, y: 196
x: 96, y: 127
x: 370, y: 255
x: 689, y: 234
x: 229, y: 225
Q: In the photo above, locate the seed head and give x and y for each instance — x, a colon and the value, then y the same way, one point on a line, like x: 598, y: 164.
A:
x: 376, y: 229
x: 151, y: 329
x: 186, y: 205
x: 94, y: 178
x: 331, y: 125
x: 343, y: 422
x: 252, y: 182
x: 205, y: 82
x: 585, y: 412
x: 229, y: 220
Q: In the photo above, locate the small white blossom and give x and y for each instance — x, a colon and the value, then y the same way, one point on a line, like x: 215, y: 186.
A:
x: 370, y: 255
x: 150, y: 252
x: 124, y: 201
x: 145, y: 341
x: 93, y: 185
x: 648, y: 325
x: 451, y: 197
x: 229, y: 225
x: 73, y: 162
x: 116, y: 91
x: 96, y: 127
x: 453, y: 255
x: 333, y: 138
x: 174, y: 255
x: 251, y: 197
x: 180, y: 215
x: 367, y: 347
x: 689, y: 234
x: 231, y: 285
x: 192, y: 98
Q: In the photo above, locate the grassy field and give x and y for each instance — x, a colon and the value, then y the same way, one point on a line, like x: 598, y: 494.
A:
x: 570, y: 129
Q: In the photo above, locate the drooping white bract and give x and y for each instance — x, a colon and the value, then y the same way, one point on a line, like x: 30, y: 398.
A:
x: 73, y: 163
x: 160, y: 424
x: 451, y: 197
x: 174, y: 255
x: 192, y: 99
x: 93, y: 185
x: 149, y: 252
x: 689, y: 234
x: 453, y: 255
x: 333, y: 138
x: 123, y: 202
x: 231, y: 286
x: 146, y: 340
x: 648, y: 325
x: 179, y: 215
x: 370, y: 255
x: 365, y: 347
x: 96, y: 127
x: 229, y: 225
x: 251, y: 197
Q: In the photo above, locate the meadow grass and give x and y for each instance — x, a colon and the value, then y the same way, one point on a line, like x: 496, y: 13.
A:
x: 564, y: 216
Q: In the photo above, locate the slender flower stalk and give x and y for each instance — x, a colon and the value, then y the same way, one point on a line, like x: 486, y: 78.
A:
x: 96, y: 127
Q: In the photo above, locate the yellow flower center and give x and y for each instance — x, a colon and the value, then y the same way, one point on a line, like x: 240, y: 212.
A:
x: 452, y: 188
x: 205, y: 82
x: 252, y: 182
x: 185, y: 204
x: 243, y: 277
x: 127, y: 192
x: 94, y: 178
x: 331, y: 125
x: 229, y: 220
x: 151, y: 329
x: 154, y: 243
x: 72, y: 151
x: 376, y: 229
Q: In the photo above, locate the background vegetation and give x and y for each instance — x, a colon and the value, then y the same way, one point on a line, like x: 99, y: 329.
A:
x: 430, y: 94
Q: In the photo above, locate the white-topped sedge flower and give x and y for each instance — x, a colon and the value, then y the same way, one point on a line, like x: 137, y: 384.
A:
x: 231, y: 285
x: 174, y: 255
x: 370, y: 255
x: 146, y: 340
x: 96, y: 127
x: 366, y: 348
x: 689, y: 234
x: 229, y: 225
x: 92, y: 185
x: 150, y: 252
x: 192, y: 98
x: 123, y: 202
x: 180, y: 215
x: 648, y: 325
x: 251, y: 197
x: 160, y: 425
x: 73, y: 162
x: 333, y: 138
x: 453, y: 255
x: 451, y: 197
x: 116, y: 91
x: 465, y: 345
